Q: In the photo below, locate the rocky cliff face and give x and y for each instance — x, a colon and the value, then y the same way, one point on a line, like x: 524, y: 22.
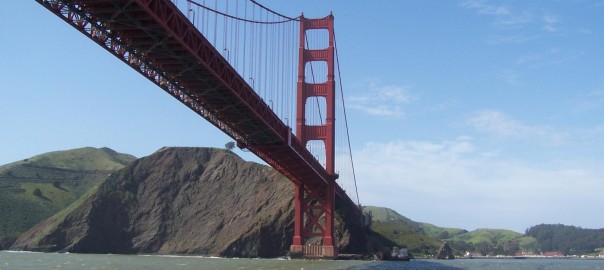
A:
x: 184, y: 201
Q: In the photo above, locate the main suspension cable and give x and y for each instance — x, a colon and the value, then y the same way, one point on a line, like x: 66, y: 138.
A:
x: 241, y: 19
x: 274, y: 12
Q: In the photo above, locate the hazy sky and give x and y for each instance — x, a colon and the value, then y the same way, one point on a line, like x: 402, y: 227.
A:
x: 482, y: 114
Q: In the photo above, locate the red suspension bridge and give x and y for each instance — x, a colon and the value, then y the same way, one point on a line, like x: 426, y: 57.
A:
x: 269, y: 81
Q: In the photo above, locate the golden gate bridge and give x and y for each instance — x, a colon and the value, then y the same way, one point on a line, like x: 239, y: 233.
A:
x: 269, y: 81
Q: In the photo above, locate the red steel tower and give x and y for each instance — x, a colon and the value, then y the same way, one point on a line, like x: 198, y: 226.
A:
x: 314, y: 211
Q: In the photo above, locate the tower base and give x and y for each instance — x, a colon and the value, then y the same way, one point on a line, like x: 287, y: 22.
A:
x: 313, y: 252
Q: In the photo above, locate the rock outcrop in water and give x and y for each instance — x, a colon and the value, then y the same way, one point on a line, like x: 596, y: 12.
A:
x: 185, y: 201
x: 445, y: 252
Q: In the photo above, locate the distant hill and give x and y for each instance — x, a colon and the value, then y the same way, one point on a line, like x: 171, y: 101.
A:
x: 493, y: 242
x: 34, y: 189
x: 424, y: 238
x: 442, y: 233
x: 383, y: 214
x: 569, y: 240
x: 186, y: 201
x: 394, y: 229
x: 490, y: 236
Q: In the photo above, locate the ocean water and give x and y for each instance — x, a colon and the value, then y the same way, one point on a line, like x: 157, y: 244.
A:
x: 28, y: 260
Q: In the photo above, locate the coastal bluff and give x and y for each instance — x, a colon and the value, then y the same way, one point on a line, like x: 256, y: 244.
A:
x: 198, y: 201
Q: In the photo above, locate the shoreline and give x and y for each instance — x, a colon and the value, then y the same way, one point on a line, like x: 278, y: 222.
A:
x: 529, y: 258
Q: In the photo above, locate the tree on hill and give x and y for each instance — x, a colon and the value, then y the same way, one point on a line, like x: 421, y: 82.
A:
x: 229, y: 146
x: 37, y: 192
x: 57, y: 184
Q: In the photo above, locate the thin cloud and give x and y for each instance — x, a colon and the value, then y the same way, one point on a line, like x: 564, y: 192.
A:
x: 424, y: 180
x: 501, y: 125
x: 590, y: 137
x: 550, y: 57
x: 380, y: 110
x: 380, y: 100
x: 503, y: 15
x: 483, y: 8
x: 516, y: 20
x: 510, y: 76
x: 593, y: 100
x: 519, y: 39
x: 507, y: 18
x: 550, y: 23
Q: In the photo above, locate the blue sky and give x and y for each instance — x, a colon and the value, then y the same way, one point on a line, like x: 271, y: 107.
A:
x: 469, y: 114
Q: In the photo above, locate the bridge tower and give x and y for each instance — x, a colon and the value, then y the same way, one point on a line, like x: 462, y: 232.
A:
x: 315, y: 211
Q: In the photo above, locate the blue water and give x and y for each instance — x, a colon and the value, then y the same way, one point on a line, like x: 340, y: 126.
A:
x: 28, y: 260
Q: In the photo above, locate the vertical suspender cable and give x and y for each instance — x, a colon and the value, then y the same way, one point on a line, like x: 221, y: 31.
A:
x: 345, y: 118
x: 226, y: 33
x: 215, y: 22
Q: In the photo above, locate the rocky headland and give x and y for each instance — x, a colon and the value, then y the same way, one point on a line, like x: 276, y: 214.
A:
x: 185, y: 201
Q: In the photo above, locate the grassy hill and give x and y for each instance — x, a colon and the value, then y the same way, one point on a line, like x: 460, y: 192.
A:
x: 490, y: 236
x: 425, y: 239
x: 440, y: 232
x: 34, y: 189
x: 493, y: 242
x: 383, y: 214
x: 81, y: 159
x: 397, y: 230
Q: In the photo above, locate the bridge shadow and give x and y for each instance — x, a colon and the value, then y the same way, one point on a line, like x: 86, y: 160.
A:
x: 413, y: 264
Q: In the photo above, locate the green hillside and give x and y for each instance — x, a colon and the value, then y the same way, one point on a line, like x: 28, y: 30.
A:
x: 493, y: 242
x: 570, y: 240
x: 440, y: 232
x: 386, y: 214
x: 81, y: 159
x: 397, y: 230
x: 425, y: 239
x: 491, y: 236
x: 34, y: 189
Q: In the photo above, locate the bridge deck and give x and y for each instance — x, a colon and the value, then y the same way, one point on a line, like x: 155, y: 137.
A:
x: 158, y: 41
